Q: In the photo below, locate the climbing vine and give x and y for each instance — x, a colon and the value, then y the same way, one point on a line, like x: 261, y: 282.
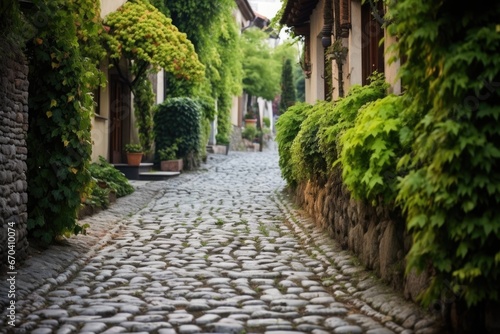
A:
x: 217, y: 43
x: 452, y: 194
x: 64, y: 54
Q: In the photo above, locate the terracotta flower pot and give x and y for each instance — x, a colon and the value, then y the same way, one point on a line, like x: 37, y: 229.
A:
x: 251, y: 122
x: 134, y: 159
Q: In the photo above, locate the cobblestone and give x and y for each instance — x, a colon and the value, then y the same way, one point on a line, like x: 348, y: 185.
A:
x: 217, y: 250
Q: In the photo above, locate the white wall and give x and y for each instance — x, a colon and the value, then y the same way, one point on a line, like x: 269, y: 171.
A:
x: 108, y: 6
x: 315, y: 86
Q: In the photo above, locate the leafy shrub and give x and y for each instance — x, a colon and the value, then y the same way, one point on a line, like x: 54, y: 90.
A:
x: 178, y: 120
x: 105, y: 172
x: 451, y: 196
x: 99, y: 197
x: 249, y: 133
x: 307, y: 159
x: 344, y: 112
x: 371, y: 150
x: 267, y: 122
x: 288, y: 126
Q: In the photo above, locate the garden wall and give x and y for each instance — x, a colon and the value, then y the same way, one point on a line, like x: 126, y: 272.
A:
x: 376, y: 235
x: 13, y: 150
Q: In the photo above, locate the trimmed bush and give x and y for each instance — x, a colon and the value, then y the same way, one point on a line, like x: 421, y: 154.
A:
x: 307, y: 158
x: 371, y: 150
x: 288, y: 126
x: 342, y: 117
x: 177, y: 120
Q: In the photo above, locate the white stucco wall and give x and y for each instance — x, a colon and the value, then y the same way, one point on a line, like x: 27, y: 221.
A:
x: 315, y: 86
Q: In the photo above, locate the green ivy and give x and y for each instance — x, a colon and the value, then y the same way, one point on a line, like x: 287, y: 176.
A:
x: 217, y: 43
x: 64, y: 55
x: 288, y: 126
x: 333, y: 124
x: 451, y: 195
x: 178, y: 121
x: 371, y: 150
x: 306, y: 157
x: 144, y: 100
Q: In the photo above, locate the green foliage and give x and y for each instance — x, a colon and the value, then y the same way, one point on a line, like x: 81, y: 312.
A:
x: 342, y: 117
x: 451, y: 196
x: 146, y: 37
x: 144, y: 100
x: 170, y: 152
x: 103, y: 171
x: 98, y: 197
x: 148, y: 40
x: 216, y: 40
x: 371, y: 150
x: 249, y: 133
x: 178, y: 121
x: 288, y: 126
x: 261, y: 69
x: 288, y: 96
x: 307, y: 158
x: 208, y: 113
x: 63, y: 73
x: 266, y: 121
x: 134, y: 148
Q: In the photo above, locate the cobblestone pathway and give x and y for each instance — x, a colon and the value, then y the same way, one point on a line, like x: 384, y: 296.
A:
x: 220, y: 251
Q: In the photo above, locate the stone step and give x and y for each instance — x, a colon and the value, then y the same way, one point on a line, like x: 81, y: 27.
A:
x: 133, y: 172
x: 157, y: 175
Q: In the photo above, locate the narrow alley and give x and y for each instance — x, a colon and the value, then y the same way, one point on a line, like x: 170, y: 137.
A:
x: 220, y: 250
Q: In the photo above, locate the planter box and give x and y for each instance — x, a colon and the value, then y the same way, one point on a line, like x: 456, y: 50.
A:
x: 171, y: 165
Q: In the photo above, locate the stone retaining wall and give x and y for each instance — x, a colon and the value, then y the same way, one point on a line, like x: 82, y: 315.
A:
x: 377, y: 235
x: 13, y: 150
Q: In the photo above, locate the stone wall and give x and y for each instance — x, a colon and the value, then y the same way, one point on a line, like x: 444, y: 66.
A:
x: 13, y: 151
x: 377, y: 235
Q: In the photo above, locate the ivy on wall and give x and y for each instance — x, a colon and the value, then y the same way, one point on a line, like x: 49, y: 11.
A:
x: 64, y: 54
x: 216, y: 40
x: 433, y: 152
x: 452, y: 193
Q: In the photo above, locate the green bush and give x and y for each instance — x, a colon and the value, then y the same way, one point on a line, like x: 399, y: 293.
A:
x: 451, y: 196
x: 103, y: 171
x: 249, y: 133
x: 208, y: 112
x: 177, y: 120
x: 371, y: 150
x: 99, y: 197
x: 306, y: 158
x: 288, y: 126
x: 342, y: 117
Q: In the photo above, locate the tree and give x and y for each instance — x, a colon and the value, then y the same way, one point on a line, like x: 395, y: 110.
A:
x: 148, y: 40
x: 261, y: 69
x: 288, y: 97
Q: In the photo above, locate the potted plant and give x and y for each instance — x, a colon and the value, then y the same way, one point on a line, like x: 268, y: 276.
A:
x: 169, y: 160
x: 250, y: 119
x: 134, y: 154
